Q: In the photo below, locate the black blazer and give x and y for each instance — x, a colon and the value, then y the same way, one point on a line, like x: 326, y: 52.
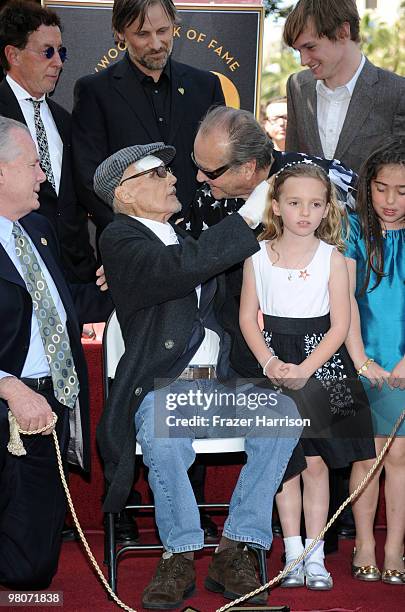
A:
x: 83, y: 303
x: 64, y: 212
x: 111, y: 111
x: 153, y: 288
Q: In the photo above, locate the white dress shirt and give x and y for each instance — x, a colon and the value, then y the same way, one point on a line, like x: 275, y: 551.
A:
x: 36, y: 365
x: 207, y: 353
x: 332, y: 106
x: 55, y: 143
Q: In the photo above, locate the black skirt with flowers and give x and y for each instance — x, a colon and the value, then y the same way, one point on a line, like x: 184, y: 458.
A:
x: 333, y: 399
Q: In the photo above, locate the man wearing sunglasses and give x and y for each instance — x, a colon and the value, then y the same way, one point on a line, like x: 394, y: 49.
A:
x: 32, y: 56
x: 233, y: 156
x: 168, y: 291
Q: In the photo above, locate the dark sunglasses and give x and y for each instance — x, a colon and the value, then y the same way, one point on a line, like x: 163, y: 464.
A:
x: 161, y: 171
x: 49, y: 52
x: 211, y: 174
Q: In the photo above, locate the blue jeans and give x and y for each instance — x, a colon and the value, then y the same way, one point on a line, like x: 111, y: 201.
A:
x: 169, y: 458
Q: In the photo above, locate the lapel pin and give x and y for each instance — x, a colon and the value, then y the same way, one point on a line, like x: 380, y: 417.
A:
x: 181, y: 90
x: 44, y: 241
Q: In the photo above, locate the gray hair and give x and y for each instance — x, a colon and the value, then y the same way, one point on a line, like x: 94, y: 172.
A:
x: 247, y: 139
x: 8, y: 147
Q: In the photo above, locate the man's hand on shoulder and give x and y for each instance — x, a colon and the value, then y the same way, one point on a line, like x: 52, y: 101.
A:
x: 30, y: 409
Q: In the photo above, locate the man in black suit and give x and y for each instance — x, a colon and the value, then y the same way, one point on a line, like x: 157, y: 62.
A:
x: 145, y: 97
x: 32, y: 56
x: 42, y: 368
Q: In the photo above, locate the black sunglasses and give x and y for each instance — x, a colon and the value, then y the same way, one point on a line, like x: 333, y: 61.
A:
x: 211, y: 174
x: 49, y: 52
x: 161, y: 171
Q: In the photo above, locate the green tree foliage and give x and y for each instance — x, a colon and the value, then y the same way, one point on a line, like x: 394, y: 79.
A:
x: 272, y: 7
x: 384, y: 45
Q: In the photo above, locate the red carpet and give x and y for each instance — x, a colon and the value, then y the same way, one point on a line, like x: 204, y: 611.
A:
x: 83, y: 593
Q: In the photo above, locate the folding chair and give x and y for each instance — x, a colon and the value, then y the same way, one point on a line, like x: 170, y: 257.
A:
x: 113, y: 348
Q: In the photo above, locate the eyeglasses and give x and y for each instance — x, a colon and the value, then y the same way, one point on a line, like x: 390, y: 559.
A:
x: 49, y: 52
x: 161, y: 171
x: 211, y: 174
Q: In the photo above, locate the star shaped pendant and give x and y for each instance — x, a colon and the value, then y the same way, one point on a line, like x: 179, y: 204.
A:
x: 304, y: 274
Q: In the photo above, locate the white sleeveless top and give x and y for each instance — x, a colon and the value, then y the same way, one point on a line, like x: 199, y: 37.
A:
x: 293, y: 293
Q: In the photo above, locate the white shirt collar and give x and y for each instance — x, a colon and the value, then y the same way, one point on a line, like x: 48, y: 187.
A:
x: 19, y: 92
x: 6, y: 227
x: 164, y: 231
x: 320, y: 85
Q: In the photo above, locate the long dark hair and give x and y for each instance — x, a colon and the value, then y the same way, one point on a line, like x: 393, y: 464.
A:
x: 391, y: 153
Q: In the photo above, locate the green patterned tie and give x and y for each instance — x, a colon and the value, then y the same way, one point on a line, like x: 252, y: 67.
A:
x: 54, y: 337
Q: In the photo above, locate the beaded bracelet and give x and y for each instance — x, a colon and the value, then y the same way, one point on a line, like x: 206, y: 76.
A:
x: 267, y: 363
x: 365, y: 366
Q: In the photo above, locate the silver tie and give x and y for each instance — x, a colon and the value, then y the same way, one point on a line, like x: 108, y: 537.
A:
x: 42, y: 140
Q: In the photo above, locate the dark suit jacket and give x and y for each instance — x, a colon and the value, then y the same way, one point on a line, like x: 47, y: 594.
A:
x: 64, y: 212
x: 83, y: 303
x: 376, y: 110
x: 111, y: 111
x: 153, y: 288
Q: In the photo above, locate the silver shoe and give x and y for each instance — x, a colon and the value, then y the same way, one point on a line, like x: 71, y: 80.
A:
x: 393, y: 577
x: 318, y: 582
x: 295, y: 578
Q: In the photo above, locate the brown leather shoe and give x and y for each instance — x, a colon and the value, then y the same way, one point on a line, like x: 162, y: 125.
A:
x: 233, y: 573
x: 172, y: 583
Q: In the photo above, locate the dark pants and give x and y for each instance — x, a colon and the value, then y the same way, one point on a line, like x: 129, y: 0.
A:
x: 32, y: 505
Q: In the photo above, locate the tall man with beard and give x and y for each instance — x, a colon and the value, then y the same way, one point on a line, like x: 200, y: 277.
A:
x: 145, y: 97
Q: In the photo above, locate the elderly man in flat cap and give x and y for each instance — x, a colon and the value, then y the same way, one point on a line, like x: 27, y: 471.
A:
x: 167, y: 291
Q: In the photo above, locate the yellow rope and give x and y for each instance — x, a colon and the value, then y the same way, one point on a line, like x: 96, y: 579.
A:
x: 274, y: 580
x: 320, y: 536
x: 13, y: 423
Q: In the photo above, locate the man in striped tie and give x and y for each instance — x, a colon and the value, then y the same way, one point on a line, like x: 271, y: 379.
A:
x: 32, y: 56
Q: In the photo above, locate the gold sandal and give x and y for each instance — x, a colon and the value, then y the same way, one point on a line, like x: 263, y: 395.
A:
x: 368, y: 573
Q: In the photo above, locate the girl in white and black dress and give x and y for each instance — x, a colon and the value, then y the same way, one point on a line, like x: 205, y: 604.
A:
x: 299, y: 281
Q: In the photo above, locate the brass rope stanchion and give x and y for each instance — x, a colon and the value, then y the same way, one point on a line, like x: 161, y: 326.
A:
x: 15, y: 446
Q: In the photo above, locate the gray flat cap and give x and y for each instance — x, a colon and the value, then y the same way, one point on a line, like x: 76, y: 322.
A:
x: 110, y: 171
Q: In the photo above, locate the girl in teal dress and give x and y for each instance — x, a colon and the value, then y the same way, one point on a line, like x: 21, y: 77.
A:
x: 376, y: 343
